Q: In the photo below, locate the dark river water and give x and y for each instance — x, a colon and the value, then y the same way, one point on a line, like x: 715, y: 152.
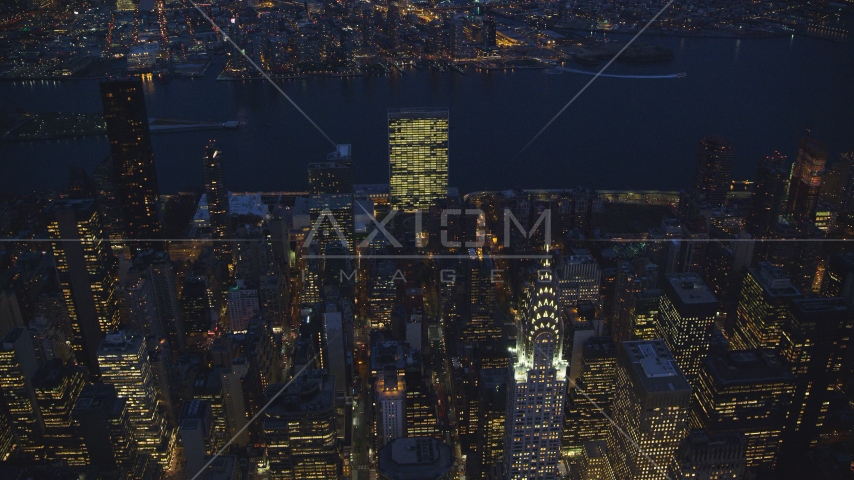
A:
x: 622, y: 133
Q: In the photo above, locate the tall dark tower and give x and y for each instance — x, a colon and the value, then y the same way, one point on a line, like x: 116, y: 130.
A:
x: 769, y: 191
x: 806, y: 179
x: 714, y: 169
x: 488, y: 32
x: 133, y: 161
x: 331, y: 187
x: 215, y: 191
x: 335, y: 175
x: 814, y: 343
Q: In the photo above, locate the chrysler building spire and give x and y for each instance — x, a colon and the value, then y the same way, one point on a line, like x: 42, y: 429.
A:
x: 538, y: 386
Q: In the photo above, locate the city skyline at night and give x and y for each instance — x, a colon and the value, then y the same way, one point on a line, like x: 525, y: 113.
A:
x: 357, y: 240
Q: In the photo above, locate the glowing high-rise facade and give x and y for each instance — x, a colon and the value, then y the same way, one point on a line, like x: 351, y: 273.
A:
x: 537, y: 387
x: 18, y: 366
x: 762, y: 308
x: 688, y: 311
x: 85, y: 274
x: 418, y: 157
x: 594, y: 390
x: 124, y: 364
x: 650, y: 411
x: 300, y: 429
x: 57, y: 387
x: 745, y: 392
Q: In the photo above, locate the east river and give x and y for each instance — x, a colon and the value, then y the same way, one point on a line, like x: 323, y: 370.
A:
x: 622, y: 133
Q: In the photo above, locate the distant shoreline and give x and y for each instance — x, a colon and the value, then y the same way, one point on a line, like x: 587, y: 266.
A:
x: 305, y: 76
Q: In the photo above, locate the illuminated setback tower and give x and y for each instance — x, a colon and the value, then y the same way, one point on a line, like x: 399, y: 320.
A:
x: 133, y: 160
x: 418, y: 157
x: 537, y: 387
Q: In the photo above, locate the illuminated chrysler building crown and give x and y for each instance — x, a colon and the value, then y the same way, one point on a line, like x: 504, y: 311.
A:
x: 537, y: 388
x: 540, y: 340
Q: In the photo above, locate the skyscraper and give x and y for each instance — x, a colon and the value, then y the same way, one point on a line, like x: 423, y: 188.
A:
x: 388, y: 366
x: 816, y: 339
x: 300, y: 430
x: 746, y: 392
x: 196, y: 431
x: 839, y: 277
x: 418, y: 157
x: 335, y: 340
x: 488, y: 32
x: 161, y: 276
x: 10, y: 312
x: 7, y: 439
x: 493, y: 411
x: 101, y: 421
x: 234, y: 407
x: 805, y: 184
x: 215, y: 192
x: 57, y: 387
x: 593, y: 390
x: 123, y: 359
x: 242, y: 306
x: 579, y: 278
x: 627, y: 285
x: 18, y: 366
x: 481, y: 295
x: 651, y: 412
x: 646, y: 313
x: 686, y: 319
x: 762, y: 307
x: 391, y: 405
x: 705, y: 456
x: 133, y: 160
x: 769, y: 191
x: 85, y: 269
x: 714, y: 169
x: 331, y: 194
x: 537, y: 387
x: 335, y: 175
x: 423, y: 458
x: 106, y: 195
x: 196, y: 306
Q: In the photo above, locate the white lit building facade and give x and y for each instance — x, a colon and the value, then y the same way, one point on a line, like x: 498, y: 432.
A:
x: 537, y: 387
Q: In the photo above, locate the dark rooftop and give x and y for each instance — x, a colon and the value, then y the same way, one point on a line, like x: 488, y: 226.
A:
x: 415, y: 458
x: 747, y: 367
